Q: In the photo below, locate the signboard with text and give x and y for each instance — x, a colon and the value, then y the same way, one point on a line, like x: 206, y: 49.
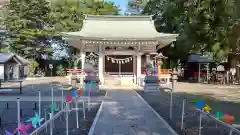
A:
x: 50, y: 66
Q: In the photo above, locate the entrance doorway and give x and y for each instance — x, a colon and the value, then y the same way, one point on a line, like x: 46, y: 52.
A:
x: 118, y: 68
x: 119, y: 65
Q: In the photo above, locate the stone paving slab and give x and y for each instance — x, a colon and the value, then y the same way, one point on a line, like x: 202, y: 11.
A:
x: 128, y: 114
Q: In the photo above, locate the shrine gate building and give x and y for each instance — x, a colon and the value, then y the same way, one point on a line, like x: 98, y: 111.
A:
x: 124, y: 44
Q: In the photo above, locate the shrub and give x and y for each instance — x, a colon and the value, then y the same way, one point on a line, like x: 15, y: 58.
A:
x: 60, y: 71
x: 32, y: 66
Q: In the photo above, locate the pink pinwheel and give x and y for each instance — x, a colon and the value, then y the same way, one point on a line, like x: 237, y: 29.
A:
x: 68, y: 98
x: 23, y: 129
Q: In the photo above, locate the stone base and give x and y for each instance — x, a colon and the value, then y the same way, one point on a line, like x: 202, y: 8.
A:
x: 92, y: 87
x: 151, y: 87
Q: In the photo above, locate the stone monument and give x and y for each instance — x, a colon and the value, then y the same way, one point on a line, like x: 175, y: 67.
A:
x: 151, y: 80
x: 91, y: 80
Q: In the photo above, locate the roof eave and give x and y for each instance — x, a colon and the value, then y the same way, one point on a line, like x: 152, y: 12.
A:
x: 172, y: 36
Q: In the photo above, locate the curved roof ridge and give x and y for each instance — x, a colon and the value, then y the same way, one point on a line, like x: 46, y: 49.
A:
x: 118, y: 18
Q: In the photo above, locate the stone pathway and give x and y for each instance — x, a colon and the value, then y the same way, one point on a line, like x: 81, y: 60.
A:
x: 128, y: 114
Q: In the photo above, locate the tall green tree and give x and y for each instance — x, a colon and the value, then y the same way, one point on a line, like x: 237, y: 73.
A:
x: 3, y: 34
x: 170, y: 17
x: 203, y: 25
x: 28, y: 24
x: 69, y: 14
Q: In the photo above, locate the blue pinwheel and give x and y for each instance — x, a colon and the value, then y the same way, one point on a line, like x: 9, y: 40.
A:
x: 36, y: 120
x: 200, y: 104
x: 74, y: 93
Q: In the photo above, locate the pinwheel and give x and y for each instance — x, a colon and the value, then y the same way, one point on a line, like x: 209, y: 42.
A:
x: 219, y: 115
x: 36, y: 120
x: 53, y: 108
x: 200, y: 104
x: 23, y: 129
x: 228, y: 118
x: 74, y: 93
x: 206, y: 108
x: 80, y: 90
x: 70, y: 88
x: 68, y: 98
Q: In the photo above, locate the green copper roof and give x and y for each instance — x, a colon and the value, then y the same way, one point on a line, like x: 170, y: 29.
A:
x: 119, y: 28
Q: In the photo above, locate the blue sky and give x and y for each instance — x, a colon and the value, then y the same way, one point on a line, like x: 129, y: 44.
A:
x: 121, y: 3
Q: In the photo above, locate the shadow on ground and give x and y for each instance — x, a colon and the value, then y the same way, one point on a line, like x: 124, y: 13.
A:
x: 44, y: 87
x: 8, y: 108
x: 160, y: 102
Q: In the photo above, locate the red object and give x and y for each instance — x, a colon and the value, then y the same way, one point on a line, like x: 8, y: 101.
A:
x: 80, y: 91
x: 228, y: 118
x: 68, y: 98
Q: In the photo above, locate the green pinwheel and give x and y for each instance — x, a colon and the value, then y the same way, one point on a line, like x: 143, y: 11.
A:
x: 53, y: 108
x: 219, y: 115
x: 36, y: 120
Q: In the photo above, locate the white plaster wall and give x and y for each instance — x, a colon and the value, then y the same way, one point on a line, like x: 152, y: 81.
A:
x: 15, y: 71
x: 26, y: 70
x: 2, y: 71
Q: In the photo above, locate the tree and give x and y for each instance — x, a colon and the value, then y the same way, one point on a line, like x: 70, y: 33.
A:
x: 169, y: 17
x: 28, y: 24
x: 69, y: 14
x: 135, y: 7
x: 3, y: 34
x: 203, y: 25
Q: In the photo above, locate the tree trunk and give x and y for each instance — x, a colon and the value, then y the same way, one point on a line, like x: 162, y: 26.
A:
x: 234, y: 55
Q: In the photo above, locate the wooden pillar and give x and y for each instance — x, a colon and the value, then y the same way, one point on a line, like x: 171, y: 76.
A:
x: 134, y: 70
x: 82, y: 55
x: 199, y: 72
x: 100, y: 65
x: 138, y: 67
x: 147, y: 59
x: 159, y: 62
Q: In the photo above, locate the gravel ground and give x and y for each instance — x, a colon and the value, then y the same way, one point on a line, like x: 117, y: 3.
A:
x: 160, y: 103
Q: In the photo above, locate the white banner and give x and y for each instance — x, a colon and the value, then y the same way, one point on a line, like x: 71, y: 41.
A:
x: 119, y: 61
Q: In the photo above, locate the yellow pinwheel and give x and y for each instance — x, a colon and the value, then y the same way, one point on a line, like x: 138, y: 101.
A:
x: 206, y: 108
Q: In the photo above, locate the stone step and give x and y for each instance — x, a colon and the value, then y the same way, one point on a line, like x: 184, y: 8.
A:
x: 112, y: 81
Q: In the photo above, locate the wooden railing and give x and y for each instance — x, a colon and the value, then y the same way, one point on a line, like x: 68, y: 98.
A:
x: 166, y: 71
x: 163, y: 71
x: 74, y: 70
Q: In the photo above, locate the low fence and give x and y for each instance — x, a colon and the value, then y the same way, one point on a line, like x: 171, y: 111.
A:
x: 40, y: 116
x: 184, y: 117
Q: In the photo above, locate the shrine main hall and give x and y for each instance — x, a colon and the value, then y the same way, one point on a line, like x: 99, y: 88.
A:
x: 123, y: 44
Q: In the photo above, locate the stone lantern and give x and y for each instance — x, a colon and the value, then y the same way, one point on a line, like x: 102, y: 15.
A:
x: 158, y: 63
x: 152, y: 83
